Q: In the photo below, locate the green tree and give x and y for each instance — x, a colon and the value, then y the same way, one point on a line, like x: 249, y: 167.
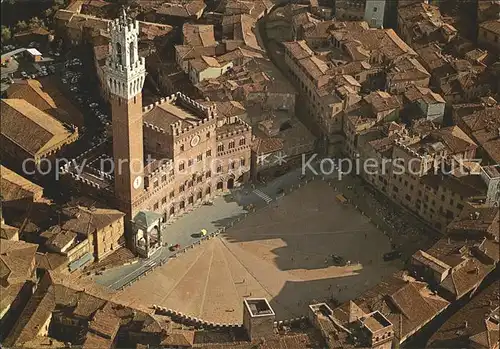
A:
x: 36, y: 22
x: 6, y: 34
x: 21, y: 25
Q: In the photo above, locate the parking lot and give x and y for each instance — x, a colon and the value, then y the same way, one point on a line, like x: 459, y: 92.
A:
x: 74, y: 73
x: 302, y: 248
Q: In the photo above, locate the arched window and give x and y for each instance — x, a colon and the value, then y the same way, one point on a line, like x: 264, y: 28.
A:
x: 119, y: 53
x: 132, y: 53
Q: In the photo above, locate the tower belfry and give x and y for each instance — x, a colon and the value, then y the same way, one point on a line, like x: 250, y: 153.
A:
x: 125, y: 72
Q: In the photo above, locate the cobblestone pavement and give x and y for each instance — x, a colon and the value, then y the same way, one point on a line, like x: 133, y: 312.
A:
x: 406, y: 232
x: 282, y: 252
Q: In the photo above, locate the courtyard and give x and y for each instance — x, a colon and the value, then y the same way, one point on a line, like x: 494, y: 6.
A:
x: 282, y: 252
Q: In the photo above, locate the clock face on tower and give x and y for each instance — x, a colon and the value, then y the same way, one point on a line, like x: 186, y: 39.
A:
x: 195, y: 140
x: 137, y: 182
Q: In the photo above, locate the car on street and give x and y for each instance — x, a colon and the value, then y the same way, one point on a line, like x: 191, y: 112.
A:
x: 390, y: 256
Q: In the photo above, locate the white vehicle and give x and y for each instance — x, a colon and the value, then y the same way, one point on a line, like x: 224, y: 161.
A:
x: 64, y: 81
x: 57, y: 54
x: 93, y: 105
x: 24, y: 74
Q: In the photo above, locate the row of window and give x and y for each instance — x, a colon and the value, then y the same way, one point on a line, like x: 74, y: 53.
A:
x: 199, y: 158
x: 182, y: 203
x: 231, y: 145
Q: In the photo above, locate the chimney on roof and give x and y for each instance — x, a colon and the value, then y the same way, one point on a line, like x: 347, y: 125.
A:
x: 476, y: 215
x: 466, y: 324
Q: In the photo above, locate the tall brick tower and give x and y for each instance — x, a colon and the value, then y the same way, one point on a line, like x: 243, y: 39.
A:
x: 125, y: 73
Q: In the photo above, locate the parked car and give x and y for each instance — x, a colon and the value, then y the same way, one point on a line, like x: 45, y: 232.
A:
x: 390, y: 256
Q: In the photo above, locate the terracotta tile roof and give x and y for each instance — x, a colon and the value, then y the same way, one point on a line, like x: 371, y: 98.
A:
x: 298, y: 49
x: 254, y: 8
x: 407, y: 68
x: 431, y: 261
x: 67, y: 14
x: 415, y: 93
x: 183, y: 9
x: 408, y: 305
x: 105, y: 323
x: 239, y: 53
x: 466, y: 186
x: 382, y: 101
x: 242, y: 27
x: 8, y: 232
x: 198, y: 35
x: 15, y: 187
x: 303, y: 19
x: 60, y: 240
x: 30, y: 128
x: 486, y: 223
x: 492, y: 26
x: 89, y: 304
x: 46, y: 96
x: 416, y: 12
x: 483, y: 125
x: 267, y: 145
x: 385, y: 41
x: 85, y: 220
x: 9, y: 294
x: 151, y: 30
x: 36, y: 312
x: 93, y: 341
x: 165, y: 114
x: 16, y: 261
x: 179, y: 338
x: 227, y: 109
x: 36, y: 31
x: 190, y: 52
x: 455, y: 139
x: 51, y: 261
x: 465, y: 278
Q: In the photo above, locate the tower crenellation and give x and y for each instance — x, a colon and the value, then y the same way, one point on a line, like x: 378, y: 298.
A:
x: 126, y: 71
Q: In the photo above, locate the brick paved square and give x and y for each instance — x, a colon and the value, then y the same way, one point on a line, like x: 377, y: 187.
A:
x: 282, y: 252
